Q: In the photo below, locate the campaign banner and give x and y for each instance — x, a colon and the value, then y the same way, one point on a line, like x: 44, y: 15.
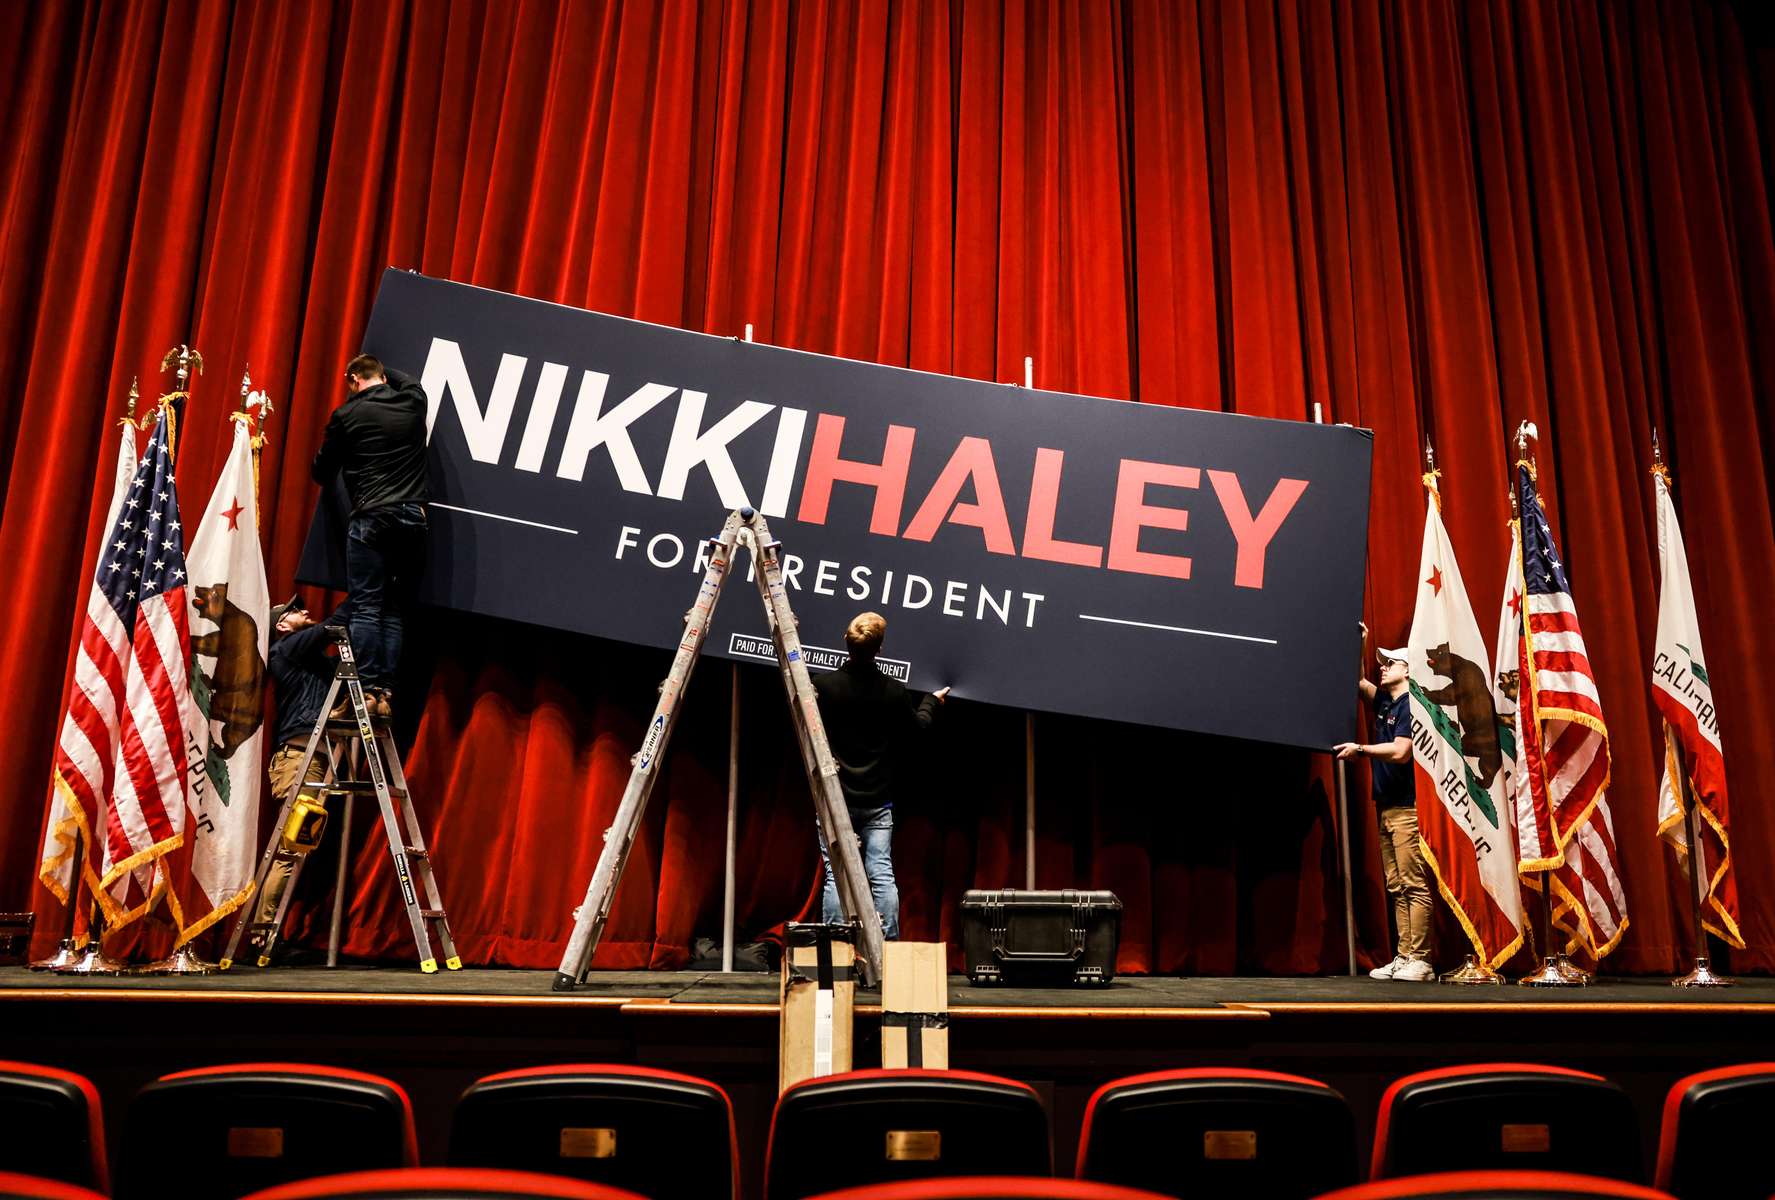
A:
x: 1167, y: 566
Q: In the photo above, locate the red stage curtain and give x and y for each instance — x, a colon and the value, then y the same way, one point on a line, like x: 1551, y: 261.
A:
x: 1434, y: 218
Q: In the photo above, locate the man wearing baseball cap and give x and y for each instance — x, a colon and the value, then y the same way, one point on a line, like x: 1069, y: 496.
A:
x: 1395, y: 801
x: 301, y: 673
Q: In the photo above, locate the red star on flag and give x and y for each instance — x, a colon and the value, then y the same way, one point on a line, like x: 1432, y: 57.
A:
x: 233, y: 514
x: 1435, y: 580
x: 1516, y: 601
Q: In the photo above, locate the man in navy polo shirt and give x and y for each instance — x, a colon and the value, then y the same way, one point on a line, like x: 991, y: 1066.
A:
x: 1395, y: 801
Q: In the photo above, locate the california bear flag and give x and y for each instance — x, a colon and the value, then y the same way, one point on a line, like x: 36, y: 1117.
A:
x: 1464, y: 815
x: 1684, y: 695
x: 230, y: 607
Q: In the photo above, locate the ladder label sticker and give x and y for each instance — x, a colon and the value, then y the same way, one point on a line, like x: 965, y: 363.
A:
x: 818, y: 658
x: 650, y: 746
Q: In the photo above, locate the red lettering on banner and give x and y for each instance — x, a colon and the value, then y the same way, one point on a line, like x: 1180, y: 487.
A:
x: 888, y: 477
x: 1038, y: 525
x: 1133, y: 514
x: 972, y: 460
x: 1254, y: 534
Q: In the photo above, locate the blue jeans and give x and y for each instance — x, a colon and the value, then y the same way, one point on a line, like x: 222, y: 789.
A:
x: 384, y: 551
x: 874, y: 827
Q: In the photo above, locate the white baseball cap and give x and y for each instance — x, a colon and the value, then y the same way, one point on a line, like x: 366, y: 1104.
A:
x: 1394, y: 655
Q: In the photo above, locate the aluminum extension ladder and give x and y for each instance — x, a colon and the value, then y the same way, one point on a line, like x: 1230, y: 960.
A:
x: 744, y: 527
x: 361, y: 757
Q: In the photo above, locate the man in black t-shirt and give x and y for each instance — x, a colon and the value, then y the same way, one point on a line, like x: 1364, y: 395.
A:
x: 376, y: 440
x: 1395, y: 801
x: 867, y: 717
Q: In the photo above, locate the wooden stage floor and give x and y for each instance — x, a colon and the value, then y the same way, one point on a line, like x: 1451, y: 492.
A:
x: 754, y: 993
x: 436, y: 1034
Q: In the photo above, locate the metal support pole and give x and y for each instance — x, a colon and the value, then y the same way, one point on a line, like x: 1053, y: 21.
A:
x: 1343, y: 849
x: 733, y: 820
x: 1029, y: 801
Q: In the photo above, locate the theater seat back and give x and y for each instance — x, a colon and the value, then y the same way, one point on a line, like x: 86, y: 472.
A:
x: 52, y: 1126
x: 221, y: 1132
x: 1220, y: 1133
x: 1507, y: 1116
x: 1716, y: 1131
x: 444, y: 1183
x: 886, y: 1126
x: 667, y: 1135
x: 1498, y: 1185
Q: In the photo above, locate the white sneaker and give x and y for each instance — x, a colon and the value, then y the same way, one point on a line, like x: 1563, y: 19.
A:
x: 1391, y: 969
x: 1416, y: 970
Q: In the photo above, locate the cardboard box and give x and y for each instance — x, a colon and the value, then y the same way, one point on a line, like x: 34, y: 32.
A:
x: 815, y: 1035
x: 915, y: 1005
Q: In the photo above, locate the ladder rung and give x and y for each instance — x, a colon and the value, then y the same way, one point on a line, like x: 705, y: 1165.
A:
x: 432, y: 914
x: 360, y: 786
x: 416, y: 852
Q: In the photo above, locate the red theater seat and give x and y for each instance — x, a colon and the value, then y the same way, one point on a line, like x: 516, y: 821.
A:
x: 659, y: 1132
x: 989, y: 1187
x: 52, y: 1126
x: 220, y: 1132
x: 1715, y: 1139
x: 1497, y: 1185
x: 1219, y: 1132
x: 443, y: 1183
x: 1506, y: 1117
x: 31, y: 1187
x: 886, y: 1126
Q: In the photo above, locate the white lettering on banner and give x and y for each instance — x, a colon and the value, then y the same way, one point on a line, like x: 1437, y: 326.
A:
x: 589, y: 430
x: 542, y: 416
x: 483, y: 430
x: 691, y: 446
x: 784, y: 454
x: 817, y: 658
x: 690, y: 449
x: 665, y: 551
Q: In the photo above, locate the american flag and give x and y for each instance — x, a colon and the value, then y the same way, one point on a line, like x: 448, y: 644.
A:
x: 121, y: 757
x: 1563, y: 822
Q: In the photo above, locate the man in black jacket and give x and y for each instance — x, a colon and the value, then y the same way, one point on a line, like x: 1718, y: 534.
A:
x: 376, y: 440
x: 867, y: 717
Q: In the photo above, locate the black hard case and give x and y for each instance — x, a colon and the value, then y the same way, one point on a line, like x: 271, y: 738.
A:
x: 1040, y: 938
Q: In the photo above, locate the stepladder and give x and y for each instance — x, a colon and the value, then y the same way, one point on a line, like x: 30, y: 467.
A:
x: 357, y: 755
x: 745, y: 527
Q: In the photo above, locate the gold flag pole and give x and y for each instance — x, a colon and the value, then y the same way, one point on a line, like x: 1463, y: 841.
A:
x: 1703, y: 975
x: 186, y: 363
x: 1471, y: 971
x: 1556, y: 969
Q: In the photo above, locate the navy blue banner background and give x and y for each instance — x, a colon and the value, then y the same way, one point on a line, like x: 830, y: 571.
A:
x: 1257, y: 642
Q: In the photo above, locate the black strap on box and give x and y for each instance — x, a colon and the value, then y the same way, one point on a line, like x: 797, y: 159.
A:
x: 914, y: 1023
x: 820, y: 937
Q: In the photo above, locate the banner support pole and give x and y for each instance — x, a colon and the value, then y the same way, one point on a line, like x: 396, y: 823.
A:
x: 1029, y: 735
x: 733, y: 802
x: 1341, y: 783
x: 733, y: 820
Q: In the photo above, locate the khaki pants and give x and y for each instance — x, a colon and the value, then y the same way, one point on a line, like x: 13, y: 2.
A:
x: 282, y: 775
x: 1403, y: 859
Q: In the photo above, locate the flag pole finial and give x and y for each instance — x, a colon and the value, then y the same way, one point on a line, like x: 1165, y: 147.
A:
x: 1431, y: 474
x: 1659, y: 468
x: 135, y: 394
x: 1526, y: 433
